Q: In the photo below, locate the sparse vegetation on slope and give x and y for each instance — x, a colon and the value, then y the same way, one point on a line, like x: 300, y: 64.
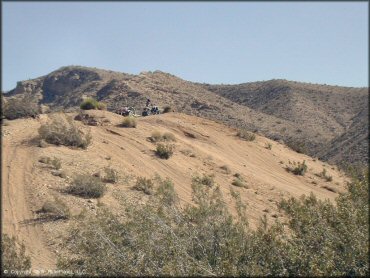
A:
x: 63, y: 131
x: 90, y: 103
x: 129, y: 122
x: 245, y: 135
x: 13, y: 256
x: 297, y: 168
x: 161, y: 239
x: 86, y: 186
x: 164, y: 151
x: 20, y: 108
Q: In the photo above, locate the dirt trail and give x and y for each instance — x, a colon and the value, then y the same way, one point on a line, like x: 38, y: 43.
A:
x: 18, y: 160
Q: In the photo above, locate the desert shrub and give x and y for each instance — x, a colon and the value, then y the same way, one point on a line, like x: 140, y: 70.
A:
x: 161, y: 238
x: 110, y: 175
x: 245, y: 135
x: 101, y: 106
x: 21, y: 108
x: 54, y: 162
x: 238, y: 182
x: 145, y: 185
x: 188, y: 152
x: 324, y: 175
x: 268, y: 146
x: 168, y: 136
x: 89, y: 104
x: 63, y: 131
x: 226, y: 169
x: 298, y: 169
x: 207, y: 180
x: 86, y: 186
x: 13, y: 256
x: 55, y: 210
x: 167, y: 109
x: 129, y: 122
x: 164, y: 151
x: 158, y: 137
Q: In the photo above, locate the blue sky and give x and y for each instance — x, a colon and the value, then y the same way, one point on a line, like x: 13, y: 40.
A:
x: 211, y: 42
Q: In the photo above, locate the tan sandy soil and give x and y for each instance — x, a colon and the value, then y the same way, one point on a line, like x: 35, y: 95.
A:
x: 27, y: 183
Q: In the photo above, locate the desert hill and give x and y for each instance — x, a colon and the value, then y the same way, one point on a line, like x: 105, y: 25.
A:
x: 202, y: 147
x: 329, y: 122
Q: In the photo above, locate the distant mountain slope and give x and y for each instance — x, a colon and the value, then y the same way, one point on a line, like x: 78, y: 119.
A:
x: 319, y: 116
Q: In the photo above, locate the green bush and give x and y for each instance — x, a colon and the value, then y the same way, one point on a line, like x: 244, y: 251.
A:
x: 63, y: 131
x: 89, y: 104
x: 129, y: 122
x: 86, y: 186
x: 101, y: 106
x: 164, y: 151
x: 145, y: 185
x: 13, y: 256
x: 246, y: 135
x: 21, y: 108
x: 162, y: 238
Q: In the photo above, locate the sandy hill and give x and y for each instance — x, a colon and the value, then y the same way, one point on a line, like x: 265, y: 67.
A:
x: 318, y: 117
x: 201, y: 147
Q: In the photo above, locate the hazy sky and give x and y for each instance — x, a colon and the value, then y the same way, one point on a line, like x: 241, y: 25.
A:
x: 211, y: 42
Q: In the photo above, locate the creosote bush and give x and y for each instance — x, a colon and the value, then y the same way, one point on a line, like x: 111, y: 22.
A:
x: 164, y: 151
x: 246, y: 135
x: 13, y: 256
x: 129, y: 122
x: 63, y: 131
x: 86, y: 186
x: 160, y: 238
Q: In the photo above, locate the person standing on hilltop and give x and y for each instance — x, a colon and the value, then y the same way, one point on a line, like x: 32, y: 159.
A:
x: 147, y: 102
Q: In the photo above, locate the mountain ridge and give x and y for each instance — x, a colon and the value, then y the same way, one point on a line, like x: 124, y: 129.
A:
x: 321, y: 117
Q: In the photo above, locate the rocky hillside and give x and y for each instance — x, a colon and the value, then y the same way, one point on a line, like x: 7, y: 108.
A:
x: 329, y: 122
